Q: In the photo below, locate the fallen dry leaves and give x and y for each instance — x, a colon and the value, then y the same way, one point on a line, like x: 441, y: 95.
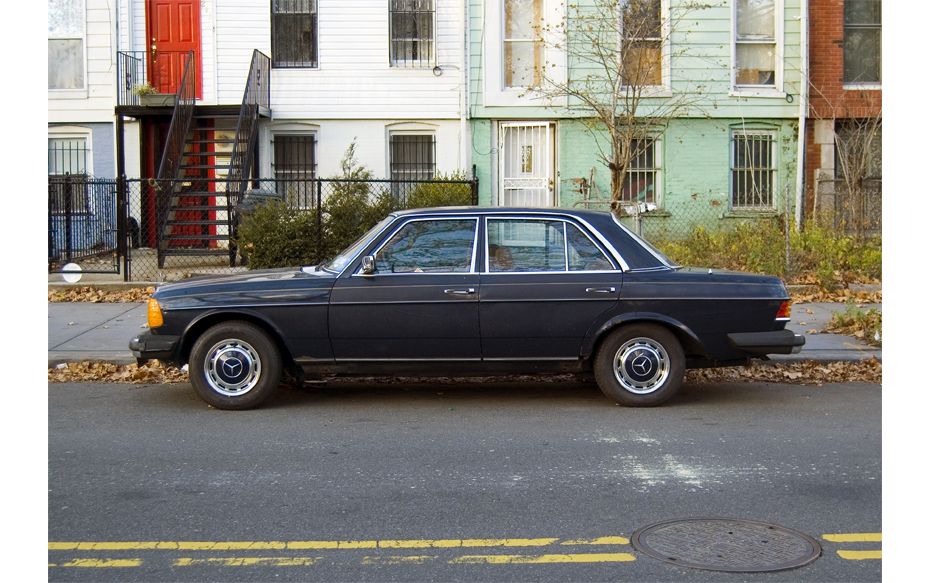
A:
x: 837, y: 296
x: 803, y: 373
x: 151, y: 372
x: 89, y: 294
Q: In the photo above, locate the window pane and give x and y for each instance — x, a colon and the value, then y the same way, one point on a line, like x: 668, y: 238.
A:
x: 515, y: 245
x: 642, y: 63
x: 65, y: 64
x: 753, y: 175
x: 429, y: 247
x: 583, y: 254
x: 755, y: 19
x: 65, y: 18
x: 862, y: 12
x: 412, y: 158
x: 522, y: 54
x: 639, y: 184
x: 862, y: 55
x: 755, y: 64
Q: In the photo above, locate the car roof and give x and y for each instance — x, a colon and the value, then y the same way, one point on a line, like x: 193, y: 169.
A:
x: 470, y: 210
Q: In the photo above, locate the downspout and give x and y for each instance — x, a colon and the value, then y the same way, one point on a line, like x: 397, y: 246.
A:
x: 464, y: 142
x: 802, y: 116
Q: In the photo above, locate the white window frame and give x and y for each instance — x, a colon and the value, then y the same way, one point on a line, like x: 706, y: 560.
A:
x: 495, y: 93
x: 858, y: 85
x: 775, y: 90
x: 290, y: 129
x: 773, y: 204
x: 78, y: 92
x: 664, y: 88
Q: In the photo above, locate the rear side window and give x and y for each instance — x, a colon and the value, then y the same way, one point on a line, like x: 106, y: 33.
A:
x: 516, y: 245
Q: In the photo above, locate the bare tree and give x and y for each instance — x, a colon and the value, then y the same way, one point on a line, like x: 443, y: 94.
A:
x: 618, y: 55
x: 856, y: 122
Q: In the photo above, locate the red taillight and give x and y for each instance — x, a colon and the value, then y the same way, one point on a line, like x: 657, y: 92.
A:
x: 784, y: 311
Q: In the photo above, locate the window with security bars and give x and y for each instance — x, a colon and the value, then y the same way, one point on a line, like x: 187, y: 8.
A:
x: 862, y: 42
x: 413, y: 157
x: 294, y: 33
x: 640, y: 182
x: 412, y: 37
x: 67, y: 175
x: 753, y: 171
x: 295, y: 169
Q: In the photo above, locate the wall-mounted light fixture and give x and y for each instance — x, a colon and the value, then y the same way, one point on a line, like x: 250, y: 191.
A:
x: 437, y: 70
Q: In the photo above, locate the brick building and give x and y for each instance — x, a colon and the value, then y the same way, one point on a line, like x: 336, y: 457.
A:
x: 845, y: 100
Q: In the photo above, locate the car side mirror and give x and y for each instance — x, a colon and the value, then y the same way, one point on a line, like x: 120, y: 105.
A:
x: 368, y: 265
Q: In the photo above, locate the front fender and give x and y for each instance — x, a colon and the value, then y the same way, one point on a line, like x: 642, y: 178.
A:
x: 214, y: 316
x: 689, y: 340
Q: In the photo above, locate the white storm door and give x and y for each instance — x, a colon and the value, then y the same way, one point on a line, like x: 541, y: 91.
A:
x: 526, y: 165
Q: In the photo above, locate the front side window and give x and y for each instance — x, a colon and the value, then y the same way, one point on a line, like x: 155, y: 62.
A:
x: 413, y: 157
x: 862, y: 41
x: 756, y: 46
x: 429, y: 246
x: 642, y: 173
x: 753, y: 170
x: 294, y: 35
x: 641, y: 50
x: 523, y: 49
x: 412, y: 37
x: 65, y: 44
x: 295, y: 169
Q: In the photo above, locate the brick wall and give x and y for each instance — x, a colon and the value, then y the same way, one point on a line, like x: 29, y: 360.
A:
x: 828, y: 99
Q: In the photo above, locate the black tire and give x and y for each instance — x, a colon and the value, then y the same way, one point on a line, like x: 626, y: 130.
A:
x: 235, y: 365
x: 640, y: 365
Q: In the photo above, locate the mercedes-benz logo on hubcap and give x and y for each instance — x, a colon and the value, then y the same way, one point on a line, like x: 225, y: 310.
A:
x: 232, y: 366
x: 642, y: 365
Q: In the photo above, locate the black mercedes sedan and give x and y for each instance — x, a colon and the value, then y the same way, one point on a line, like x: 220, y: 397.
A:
x: 470, y: 291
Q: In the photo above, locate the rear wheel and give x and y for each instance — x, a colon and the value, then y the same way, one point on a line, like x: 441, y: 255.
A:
x: 640, y: 365
x: 235, y: 365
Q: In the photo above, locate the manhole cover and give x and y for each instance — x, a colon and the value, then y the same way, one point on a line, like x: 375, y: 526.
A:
x: 726, y: 544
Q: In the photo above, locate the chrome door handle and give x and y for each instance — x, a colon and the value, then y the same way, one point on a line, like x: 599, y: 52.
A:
x: 470, y: 290
x: 601, y: 290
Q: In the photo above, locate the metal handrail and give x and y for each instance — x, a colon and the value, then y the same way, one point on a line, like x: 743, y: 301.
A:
x: 174, y: 145
x: 257, y: 95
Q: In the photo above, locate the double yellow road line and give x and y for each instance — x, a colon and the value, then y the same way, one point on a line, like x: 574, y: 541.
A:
x: 858, y: 537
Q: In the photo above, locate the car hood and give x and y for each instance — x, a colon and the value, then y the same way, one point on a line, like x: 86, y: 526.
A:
x: 282, y: 284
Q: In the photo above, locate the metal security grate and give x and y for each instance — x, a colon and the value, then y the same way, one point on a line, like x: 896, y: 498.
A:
x: 753, y: 171
x: 294, y: 33
x: 295, y: 169
x: 640, y: 182
x: 413, y: 157
x: 412, y: 33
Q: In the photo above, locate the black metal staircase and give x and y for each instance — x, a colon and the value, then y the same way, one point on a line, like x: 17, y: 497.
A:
x: 199, y: 205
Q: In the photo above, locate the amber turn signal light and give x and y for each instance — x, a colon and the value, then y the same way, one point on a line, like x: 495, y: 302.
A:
x: 154, y: 314
x: 783, y: 312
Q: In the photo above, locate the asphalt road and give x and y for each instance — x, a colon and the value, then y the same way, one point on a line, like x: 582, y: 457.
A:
x: 464, y: 482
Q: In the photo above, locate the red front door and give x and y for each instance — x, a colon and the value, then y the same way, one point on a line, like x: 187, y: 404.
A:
x: 173, y: 28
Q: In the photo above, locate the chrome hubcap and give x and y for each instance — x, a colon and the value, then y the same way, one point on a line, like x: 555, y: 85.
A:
x: 641, y: 365
x: 232, y: 367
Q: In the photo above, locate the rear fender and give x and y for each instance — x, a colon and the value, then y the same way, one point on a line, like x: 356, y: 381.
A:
x: 689, y: 340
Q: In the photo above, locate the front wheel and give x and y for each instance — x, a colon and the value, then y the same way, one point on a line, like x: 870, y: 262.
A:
x: 640, y: 365
x: 235, y: 365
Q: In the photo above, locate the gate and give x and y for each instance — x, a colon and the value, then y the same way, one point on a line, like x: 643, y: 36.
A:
x: 82, y: 223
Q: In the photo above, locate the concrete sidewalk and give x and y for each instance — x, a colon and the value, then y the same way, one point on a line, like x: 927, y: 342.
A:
x: 82, y: 331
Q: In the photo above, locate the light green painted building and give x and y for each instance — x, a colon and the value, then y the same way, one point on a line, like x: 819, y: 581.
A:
x: 732, y: 153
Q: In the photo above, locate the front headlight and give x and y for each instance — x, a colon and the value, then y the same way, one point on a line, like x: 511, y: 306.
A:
x: 154, y: 314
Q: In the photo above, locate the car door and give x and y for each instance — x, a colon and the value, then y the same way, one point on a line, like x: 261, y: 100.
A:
x: 422, y: 301
x: 544, y: 282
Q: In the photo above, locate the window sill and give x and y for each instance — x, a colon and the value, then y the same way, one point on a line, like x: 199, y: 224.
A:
x: 771, y: 93
x: 862, y: 86
x: 749, y: 214
x: 67, y: 93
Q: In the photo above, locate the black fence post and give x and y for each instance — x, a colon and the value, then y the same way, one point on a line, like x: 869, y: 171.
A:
x: 69, y: 216
x: 122, y: 233
x: 474, y: 184
x: 319, y: 221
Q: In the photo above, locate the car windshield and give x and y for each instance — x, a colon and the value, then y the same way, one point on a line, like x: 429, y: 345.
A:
x: 340, y: 261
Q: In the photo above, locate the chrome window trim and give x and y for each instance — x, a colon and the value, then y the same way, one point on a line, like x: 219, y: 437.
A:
x: 617, y: 260
x: 362, y: 248
x: 416, y: 218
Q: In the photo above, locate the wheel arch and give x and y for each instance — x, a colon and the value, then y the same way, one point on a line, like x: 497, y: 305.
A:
x: 209, y: 319
x: 689, y: 341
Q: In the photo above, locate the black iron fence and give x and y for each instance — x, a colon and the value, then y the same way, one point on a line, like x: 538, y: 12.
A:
x: 82, y: 224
